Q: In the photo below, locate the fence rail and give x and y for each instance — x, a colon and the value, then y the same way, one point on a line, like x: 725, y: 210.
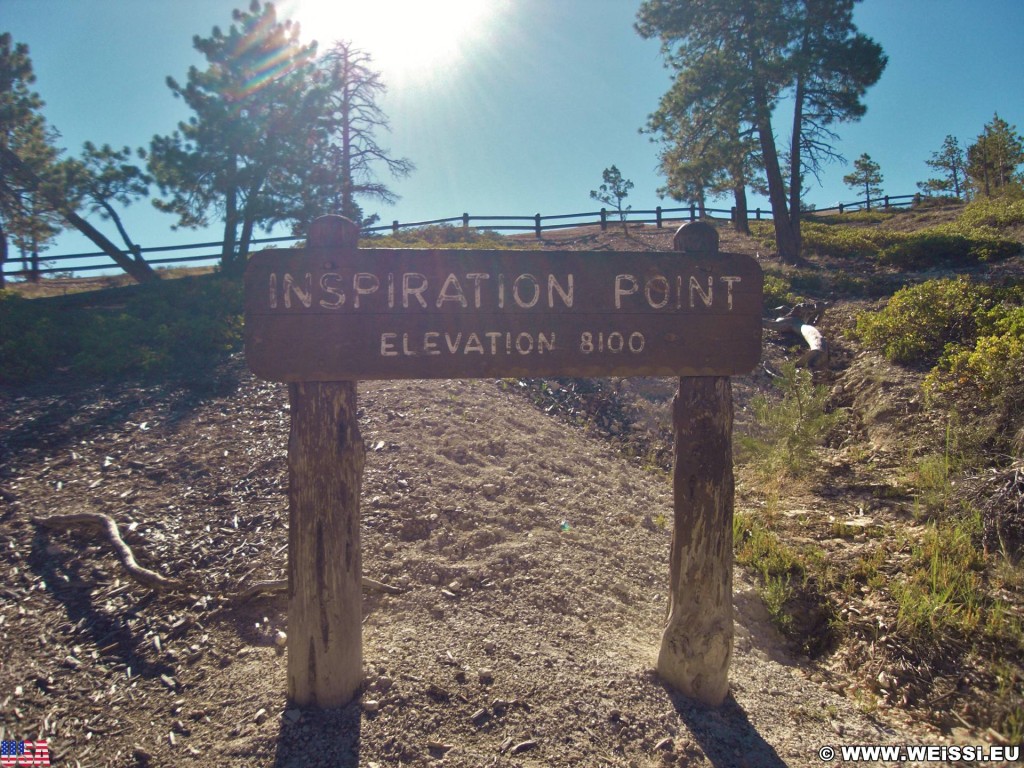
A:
x: 659, y: 216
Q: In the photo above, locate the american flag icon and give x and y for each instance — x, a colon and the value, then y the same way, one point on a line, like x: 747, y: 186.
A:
x: 21, y: 753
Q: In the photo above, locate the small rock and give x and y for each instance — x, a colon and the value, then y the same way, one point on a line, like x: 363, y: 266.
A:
x: 437, y: 692
x: 489, y: 647
x: 523, y: 746
x: 169, y: 681
x: 485, y: 676
x: 370, y: 706
x: 500, y: 705
x: 390, y: 548
x: 489, y: 490
x: 384, y: 683
x: 479, y: 716
x: 260, y: 717
x: 455, y: 585
x: 665, y: 744
x: 280, y: 639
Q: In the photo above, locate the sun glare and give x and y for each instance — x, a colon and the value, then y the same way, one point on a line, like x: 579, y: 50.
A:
x: 410, y: 40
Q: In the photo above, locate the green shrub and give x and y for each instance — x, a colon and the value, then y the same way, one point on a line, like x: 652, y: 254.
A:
x: 946, y: 245
x: 989, y: 367
x: 777, y: 292
x: 919, y: 321
x: 174, y: 328
x: 32, y: 342
x: 994, y: 212
x: 440, y: 236
x: 787, y: 431
x: 846, y: 242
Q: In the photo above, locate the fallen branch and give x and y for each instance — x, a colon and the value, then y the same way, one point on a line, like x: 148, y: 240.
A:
x: 281, y: 585
x: 107, y: 525
x: 799, y: 321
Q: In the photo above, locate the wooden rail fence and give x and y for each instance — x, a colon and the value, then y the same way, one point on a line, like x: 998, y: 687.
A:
x: 33, y: 264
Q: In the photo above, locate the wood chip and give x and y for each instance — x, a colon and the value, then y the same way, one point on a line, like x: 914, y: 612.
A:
x: 523, y: 746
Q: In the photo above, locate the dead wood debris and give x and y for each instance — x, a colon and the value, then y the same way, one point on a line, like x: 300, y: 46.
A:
x: 107, y: 525
x: 800, y: 320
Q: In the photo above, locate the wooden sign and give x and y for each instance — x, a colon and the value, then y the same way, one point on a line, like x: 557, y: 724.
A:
x: 324, y: 317
x: 344, y: 313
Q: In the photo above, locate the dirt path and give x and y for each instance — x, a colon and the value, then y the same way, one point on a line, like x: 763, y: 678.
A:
x: 533, y: 561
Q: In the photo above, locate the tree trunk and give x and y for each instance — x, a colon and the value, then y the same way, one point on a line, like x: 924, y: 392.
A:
x: 325, y: 467
x: 742, y: 222
x: 786, y: 244
x: 796, y: 176
x: 3, y: 254
x: 227, y: 253
x: 140, y: 271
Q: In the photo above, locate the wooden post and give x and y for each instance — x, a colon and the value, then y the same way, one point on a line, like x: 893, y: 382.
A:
x: 536, y: 225
x: 696, y: 646
x: 325, y: 467
x: 604, y: 219
x: 465, y: 221
x: 657, y: 216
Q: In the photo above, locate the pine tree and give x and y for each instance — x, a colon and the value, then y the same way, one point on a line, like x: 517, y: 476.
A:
x: 757, y: 51
x: 995, y: 157
x: 26, y: 221
x: 38, y: 190
x: 250, y: 133
x: 866, y: 178
x: 347, y: 155
x: 949, y: 162
x: 613, y: 192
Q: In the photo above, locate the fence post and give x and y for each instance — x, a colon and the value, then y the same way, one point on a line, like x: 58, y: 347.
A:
x: 536, y: 225
x: 693, y: 211
x: 869, y: 202
x: 604, y: 219
x: 465, y: 221
x: 758, y: 214
x: 394, y: 227
x: 657, y: 215
x: 696, y: 647
x: 732, y: 214
x: 325, y: 467
x: 887, y: 202
x: 840, y: 209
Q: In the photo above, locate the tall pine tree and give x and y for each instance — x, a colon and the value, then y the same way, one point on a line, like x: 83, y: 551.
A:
x: 251, y: 131
x: 758, y: 51
x: 994, y: 158
x: 950, y: 163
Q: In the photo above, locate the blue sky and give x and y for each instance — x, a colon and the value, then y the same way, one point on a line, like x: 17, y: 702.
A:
x: 513, y: 106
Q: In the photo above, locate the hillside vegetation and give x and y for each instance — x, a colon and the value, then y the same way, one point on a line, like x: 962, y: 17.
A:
x: 880, y: 502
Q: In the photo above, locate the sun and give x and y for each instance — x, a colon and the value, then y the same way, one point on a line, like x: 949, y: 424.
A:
x: 410, y: 41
